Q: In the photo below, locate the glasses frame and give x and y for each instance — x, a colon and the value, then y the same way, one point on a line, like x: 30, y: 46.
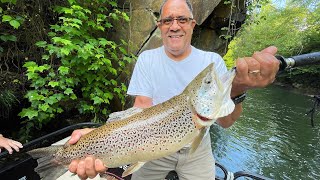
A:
x: 188, y: 19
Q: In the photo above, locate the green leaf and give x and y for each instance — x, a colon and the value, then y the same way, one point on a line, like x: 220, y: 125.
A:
x: 123, y: 50
x: 41, y: 44
x: 51, y: 100
x: 9, y: 1
x: 42, y: 68
x: 65, y: 51
x: 63, y: 70
x: 72, y: 1
x: 97, y: 100
x: 107, y: 95
x: 6, y: 38
x: 104, y: 111
x: 43, y: 107
x: 45, y: 57
x: 125, y: 16
x: 73, y: 97
x: 117, y: 90
x: 6, y: 18
x: 113, y: 3
x: 59, y: 110
x: 30, y: 113
x: 61, y: 40
x: 68, y: 91
x: 53, y: 84
x: 15, y: 24
x: 29, y: 64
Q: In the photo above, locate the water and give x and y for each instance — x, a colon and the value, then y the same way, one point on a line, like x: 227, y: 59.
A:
x: 273, y: 137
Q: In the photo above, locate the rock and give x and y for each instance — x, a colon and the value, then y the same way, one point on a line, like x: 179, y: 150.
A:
x: 142, y: 32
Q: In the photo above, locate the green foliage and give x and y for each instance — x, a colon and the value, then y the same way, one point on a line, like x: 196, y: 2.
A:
x: 293, y: 29
x: 11, y: 18
x: 80, y: 64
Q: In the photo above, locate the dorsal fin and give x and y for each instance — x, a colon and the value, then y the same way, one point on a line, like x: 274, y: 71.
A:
x: 116, y: 116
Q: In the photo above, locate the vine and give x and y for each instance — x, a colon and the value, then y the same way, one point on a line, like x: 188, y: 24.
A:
x: 80, y: 66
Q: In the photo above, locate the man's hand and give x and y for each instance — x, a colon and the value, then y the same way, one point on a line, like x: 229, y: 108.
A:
x: 9, y: 144
x: 88, y: 167
x: 257, y: 71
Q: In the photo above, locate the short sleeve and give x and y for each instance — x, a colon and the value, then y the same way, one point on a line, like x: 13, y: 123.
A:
x: 140, y: 82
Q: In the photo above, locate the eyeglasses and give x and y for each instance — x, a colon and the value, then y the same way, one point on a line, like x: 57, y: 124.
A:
x: 182, y: 21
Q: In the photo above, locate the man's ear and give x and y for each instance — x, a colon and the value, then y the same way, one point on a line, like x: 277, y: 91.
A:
x: 194, y: 22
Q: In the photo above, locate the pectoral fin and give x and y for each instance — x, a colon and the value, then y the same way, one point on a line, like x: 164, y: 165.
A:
x: 132, y: 168
x: 197, y: 140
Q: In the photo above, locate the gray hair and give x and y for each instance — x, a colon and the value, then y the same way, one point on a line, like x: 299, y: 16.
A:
x: 187, y: 1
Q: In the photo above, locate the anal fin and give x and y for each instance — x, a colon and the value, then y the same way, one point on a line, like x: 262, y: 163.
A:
x: 132, y: 168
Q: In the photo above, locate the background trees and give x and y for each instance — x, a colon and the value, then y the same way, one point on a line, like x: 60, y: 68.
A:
x: 292, y: 26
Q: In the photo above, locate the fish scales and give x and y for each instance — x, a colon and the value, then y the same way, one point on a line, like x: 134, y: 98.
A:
x: 135, y: 136
x: 156, y: 132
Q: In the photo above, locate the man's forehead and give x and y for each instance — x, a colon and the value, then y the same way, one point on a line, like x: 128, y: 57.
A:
x: 175, y: 8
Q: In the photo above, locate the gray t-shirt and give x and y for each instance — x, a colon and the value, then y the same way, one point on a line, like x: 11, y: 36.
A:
x: 157, y: 76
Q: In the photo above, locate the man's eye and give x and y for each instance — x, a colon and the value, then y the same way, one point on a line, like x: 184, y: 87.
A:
x: 167, y: 21
x: 183, y: 20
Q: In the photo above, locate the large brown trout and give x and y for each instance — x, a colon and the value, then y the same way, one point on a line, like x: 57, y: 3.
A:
x: 135, y: 136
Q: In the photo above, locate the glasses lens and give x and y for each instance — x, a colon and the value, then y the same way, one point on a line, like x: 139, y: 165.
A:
x: 167, y: 21
x: 182, y: 20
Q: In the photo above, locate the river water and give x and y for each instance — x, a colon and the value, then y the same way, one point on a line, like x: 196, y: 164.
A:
x: 273, y: 137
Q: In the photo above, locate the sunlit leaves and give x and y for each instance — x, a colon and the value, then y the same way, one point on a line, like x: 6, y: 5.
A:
x: 82, y: 65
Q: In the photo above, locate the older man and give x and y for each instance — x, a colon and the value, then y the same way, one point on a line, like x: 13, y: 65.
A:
x: 164, y: 72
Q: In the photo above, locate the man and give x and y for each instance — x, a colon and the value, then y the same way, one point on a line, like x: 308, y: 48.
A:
x: 163, y: 73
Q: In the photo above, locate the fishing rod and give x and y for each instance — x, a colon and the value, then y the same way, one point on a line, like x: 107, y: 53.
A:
x: 298, y: 61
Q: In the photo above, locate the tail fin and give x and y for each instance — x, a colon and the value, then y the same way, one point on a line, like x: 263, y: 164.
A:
x: 48, y: 168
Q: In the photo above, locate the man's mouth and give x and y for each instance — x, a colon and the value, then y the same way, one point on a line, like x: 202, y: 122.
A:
x: 175, y: 36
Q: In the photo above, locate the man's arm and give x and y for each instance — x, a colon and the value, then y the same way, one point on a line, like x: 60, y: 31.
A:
x: 267, y: 66
x: 142, y: 102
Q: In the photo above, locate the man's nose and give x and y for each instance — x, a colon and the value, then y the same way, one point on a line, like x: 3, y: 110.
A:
x: 175, y: 25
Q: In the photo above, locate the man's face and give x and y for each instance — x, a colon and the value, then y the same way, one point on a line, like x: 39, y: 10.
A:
x: 176, y: 35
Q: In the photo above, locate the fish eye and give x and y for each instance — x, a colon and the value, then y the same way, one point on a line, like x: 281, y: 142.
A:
x: 207, y: 81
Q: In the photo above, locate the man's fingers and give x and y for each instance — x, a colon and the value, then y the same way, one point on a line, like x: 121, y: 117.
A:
x: 271, y: 50
x: 100, y: 167
x: 253, y: 64
x: 81, y: 170
x: 75, y: 136
x: 242, y: 67
x: 15, y: 147
x: 90, y: 167
x: 8, y: 148
x: 17, y: 144
x: 73, y: 166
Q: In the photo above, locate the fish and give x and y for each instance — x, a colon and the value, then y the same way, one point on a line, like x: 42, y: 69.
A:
x: 136, y: 136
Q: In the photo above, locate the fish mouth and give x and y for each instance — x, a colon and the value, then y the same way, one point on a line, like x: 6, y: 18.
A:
x: 202, y: 117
